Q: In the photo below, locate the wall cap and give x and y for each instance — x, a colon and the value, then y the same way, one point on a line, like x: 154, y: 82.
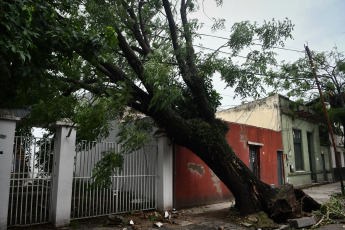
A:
x: 65, y: 122
x: 8, y: 117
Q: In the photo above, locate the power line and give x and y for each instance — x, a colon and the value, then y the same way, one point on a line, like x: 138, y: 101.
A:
x: 260, y: 74
x: 240, y: 56
x: 274, y: 47
x: 227, y: 95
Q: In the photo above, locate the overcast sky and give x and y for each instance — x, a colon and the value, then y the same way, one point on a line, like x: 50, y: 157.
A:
x: 318, y: 24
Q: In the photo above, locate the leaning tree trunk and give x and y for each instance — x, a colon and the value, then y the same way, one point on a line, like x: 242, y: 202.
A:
x: 252, y: 195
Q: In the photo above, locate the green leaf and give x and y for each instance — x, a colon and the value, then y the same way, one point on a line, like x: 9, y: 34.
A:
x: 109, y: 164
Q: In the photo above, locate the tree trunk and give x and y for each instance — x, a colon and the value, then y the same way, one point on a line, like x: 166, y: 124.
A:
x: 252, y: 195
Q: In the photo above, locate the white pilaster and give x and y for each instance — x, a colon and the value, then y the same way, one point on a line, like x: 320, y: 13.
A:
x: 64, y: 151
x: 164, y: 174
x: 7, y: 129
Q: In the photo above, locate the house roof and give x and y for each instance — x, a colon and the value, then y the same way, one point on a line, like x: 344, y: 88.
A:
x: 21, y: 113
x: 308, y: 116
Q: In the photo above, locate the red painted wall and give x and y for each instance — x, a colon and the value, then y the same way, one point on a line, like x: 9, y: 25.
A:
x: 195, y: 183
x: 238, y: 137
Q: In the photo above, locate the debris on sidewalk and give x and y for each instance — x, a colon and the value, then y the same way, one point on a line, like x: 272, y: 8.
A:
x: 158, y: 224
x: 302, y: 222
x: 115, y: 219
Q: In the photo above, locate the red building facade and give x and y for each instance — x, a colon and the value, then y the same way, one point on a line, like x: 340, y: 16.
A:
x: 260, y: 149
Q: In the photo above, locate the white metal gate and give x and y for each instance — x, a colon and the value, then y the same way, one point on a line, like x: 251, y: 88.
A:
x: 30, y: 185
x: 132, y: 189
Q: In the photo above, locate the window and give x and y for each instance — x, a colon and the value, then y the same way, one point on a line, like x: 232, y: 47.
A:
x: 297, y: 141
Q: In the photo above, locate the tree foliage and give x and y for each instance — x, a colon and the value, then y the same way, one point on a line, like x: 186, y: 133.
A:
x: 110, y: 164
x: 133, y: 53
x: 297, y: 79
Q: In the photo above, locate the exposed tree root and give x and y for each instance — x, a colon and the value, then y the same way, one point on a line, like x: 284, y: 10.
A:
x: 291, y: 203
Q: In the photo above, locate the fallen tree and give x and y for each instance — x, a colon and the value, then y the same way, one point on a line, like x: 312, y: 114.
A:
x: 140, y: 55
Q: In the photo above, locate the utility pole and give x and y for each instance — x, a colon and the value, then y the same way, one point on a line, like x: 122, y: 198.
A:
x: 328, y: 121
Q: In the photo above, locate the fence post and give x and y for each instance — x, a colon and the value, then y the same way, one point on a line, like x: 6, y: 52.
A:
x: 164, y: 173
x: 64, y: 151
x: 7, y: 129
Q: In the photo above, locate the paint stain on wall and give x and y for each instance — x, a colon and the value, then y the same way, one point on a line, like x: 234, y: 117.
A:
x: 199, y: 169
x: 243, y: 136
x: 216, y: 182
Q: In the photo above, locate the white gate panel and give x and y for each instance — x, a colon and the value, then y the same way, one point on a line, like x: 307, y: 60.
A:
x: 30, y: 186
x: 134, y: 188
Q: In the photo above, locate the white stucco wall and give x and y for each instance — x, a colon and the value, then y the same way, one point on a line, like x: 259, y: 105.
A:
x: 263, y: 113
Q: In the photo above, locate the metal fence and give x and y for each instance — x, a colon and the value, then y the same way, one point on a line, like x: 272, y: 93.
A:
x: 30, y: 184
x: 133, y: 188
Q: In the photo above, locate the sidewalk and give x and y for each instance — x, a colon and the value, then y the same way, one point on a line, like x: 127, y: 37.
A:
x: 322, y: 193
x: 215, y: 216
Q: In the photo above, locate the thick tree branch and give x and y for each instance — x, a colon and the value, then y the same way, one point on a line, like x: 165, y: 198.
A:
x: 140, y: 51
x: 174, y: 38
x: 116, y: 75
x: 132, y: 59
x: 187, y: 4
x: 188, y: 37
x: 75, y: 88
x: 188, y: 70
x: 137, y: 106
x: 83, y: 85
x: 136, y: 30
x: 143, y: 23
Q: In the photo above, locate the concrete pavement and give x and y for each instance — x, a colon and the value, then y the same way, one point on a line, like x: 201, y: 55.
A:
x: 322, y: 193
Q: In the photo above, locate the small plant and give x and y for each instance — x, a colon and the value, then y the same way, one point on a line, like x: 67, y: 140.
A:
x: 232, y: 218
x: 265, y: 222
x: 232, y: 207
x: 74, y: 224
x: 331, y: 211
x: 154, y: 216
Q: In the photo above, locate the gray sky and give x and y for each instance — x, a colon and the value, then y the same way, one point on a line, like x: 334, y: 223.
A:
x: 318, y: 24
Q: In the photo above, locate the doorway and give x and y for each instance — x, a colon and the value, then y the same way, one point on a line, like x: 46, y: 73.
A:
x: 254, y: 160
x: 280, y: 168
x: 323, y: 167
x: 311, y: 158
